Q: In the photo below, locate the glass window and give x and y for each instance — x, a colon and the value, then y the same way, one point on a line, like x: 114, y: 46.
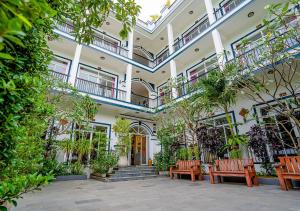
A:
x: 97, y: 77
x: 59, y: 65
x: 282, y: 126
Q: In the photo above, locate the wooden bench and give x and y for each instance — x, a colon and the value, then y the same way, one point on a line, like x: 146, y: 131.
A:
x: 234, y: 168
x: 191, y: 167
x: 288, y: 170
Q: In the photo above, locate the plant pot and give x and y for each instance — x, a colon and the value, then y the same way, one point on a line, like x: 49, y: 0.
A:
x: 149, y: 162
x: 110, y: 170
x: 164, y: 173
x: 123, y: 161
x: 103, y: 175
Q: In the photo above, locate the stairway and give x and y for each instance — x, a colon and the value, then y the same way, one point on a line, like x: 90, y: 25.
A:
x: 131, y: 173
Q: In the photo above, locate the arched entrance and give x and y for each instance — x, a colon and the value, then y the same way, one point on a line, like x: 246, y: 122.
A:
x: 139, y: 94
x: 140, y: 55
x: 139, y: 152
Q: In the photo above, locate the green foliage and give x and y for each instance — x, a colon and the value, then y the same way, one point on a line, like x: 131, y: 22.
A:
x: 122, y: 129
x: 12, y: 189
x: 100, y: 165
x: 189, y: 153
x: 217, y: 92
x: 76, y: 168
x: 163, y: 161
x: 25, y: 27
x: 112, y: 160
x: 233, y: 146
x: 95, y: 13
x: 155, y: 17
x: 82, y: 147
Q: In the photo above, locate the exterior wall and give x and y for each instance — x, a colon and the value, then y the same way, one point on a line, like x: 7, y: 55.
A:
x: 117, y: 67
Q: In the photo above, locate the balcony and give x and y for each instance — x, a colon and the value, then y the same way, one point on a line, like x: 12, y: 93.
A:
x: 200, y: 26
x: 226, y: 6
x: 251, y: 55
x: 100, y: 90
x: 59, y: 76
x: 100, y: 40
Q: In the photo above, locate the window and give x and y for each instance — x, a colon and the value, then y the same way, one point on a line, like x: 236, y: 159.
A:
x: 284, y: 129
x: 204, y: 67
x: 219, y: 123
x: 96, y: 82
x: 94, y: 132
x: 59, y: 65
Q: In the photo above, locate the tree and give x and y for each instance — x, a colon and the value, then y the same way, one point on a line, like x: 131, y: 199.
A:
x: 24, y: 56
x: 270, y: 70
x: 122, y: 129
x: 216, y: 92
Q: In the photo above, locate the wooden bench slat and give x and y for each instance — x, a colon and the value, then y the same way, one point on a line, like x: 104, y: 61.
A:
x: 187, y: 167
x: 234, y: 168
x: 289, y: 169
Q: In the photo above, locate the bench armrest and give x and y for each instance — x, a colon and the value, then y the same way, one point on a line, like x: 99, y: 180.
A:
x: 195, y: 167
x: 279, y: 167
x: 172, y: 167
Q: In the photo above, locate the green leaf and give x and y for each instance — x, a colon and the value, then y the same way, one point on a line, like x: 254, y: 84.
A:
x: 2, y: 208
x: 6, y: 56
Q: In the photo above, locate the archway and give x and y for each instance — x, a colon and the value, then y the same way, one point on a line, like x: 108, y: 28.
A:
x: 139, y: 94
x: 140, y: 56
x: 139, y: 152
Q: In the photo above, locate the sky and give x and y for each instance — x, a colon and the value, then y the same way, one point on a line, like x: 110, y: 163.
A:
x: 150, y: 7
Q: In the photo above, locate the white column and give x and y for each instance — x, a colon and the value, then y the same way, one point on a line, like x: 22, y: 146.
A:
x: 129, y: 67
x: 75, y: 63
x: 173, y: 70
x: 215, y: 34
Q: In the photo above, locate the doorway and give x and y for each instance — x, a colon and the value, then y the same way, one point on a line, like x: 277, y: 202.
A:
x: 139, y: 150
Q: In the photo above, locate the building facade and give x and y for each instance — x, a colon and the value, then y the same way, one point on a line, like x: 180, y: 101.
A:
x: 129, y: 78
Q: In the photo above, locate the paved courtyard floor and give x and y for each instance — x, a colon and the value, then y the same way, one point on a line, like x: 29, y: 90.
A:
x: 158, y: 194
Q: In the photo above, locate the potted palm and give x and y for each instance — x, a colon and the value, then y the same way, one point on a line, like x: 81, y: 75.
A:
x: 122, y: 130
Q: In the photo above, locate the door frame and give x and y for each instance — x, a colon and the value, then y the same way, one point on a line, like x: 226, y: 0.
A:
x: 147, y: 149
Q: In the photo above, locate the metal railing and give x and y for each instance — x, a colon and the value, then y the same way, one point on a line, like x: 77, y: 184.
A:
x: 253, y: 54
x: 226, y: 7
x: 60, y: 76
x: 98, y: 40
x: 100, y: 90
x: 108, y: 45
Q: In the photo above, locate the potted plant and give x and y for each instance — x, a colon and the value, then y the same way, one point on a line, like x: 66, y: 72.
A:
x: 100, y: 167
x: 112, y: 161
x: 122, y: 130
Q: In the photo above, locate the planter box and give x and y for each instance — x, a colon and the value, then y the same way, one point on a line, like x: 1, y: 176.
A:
x: 164, y: 173
x: 71, y: 177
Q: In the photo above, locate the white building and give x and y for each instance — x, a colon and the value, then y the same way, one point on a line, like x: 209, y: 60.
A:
x: 128, y: 77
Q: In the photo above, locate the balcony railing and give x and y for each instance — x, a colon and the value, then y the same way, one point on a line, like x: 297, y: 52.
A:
x: 143, y: 101
x: 226, y: 7
x: 251, y: 55
x: 100, y: 90
x: 97, y: 41
x: 59, y: 76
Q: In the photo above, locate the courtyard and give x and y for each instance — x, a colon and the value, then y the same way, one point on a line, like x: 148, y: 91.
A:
x: 158, y: 194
